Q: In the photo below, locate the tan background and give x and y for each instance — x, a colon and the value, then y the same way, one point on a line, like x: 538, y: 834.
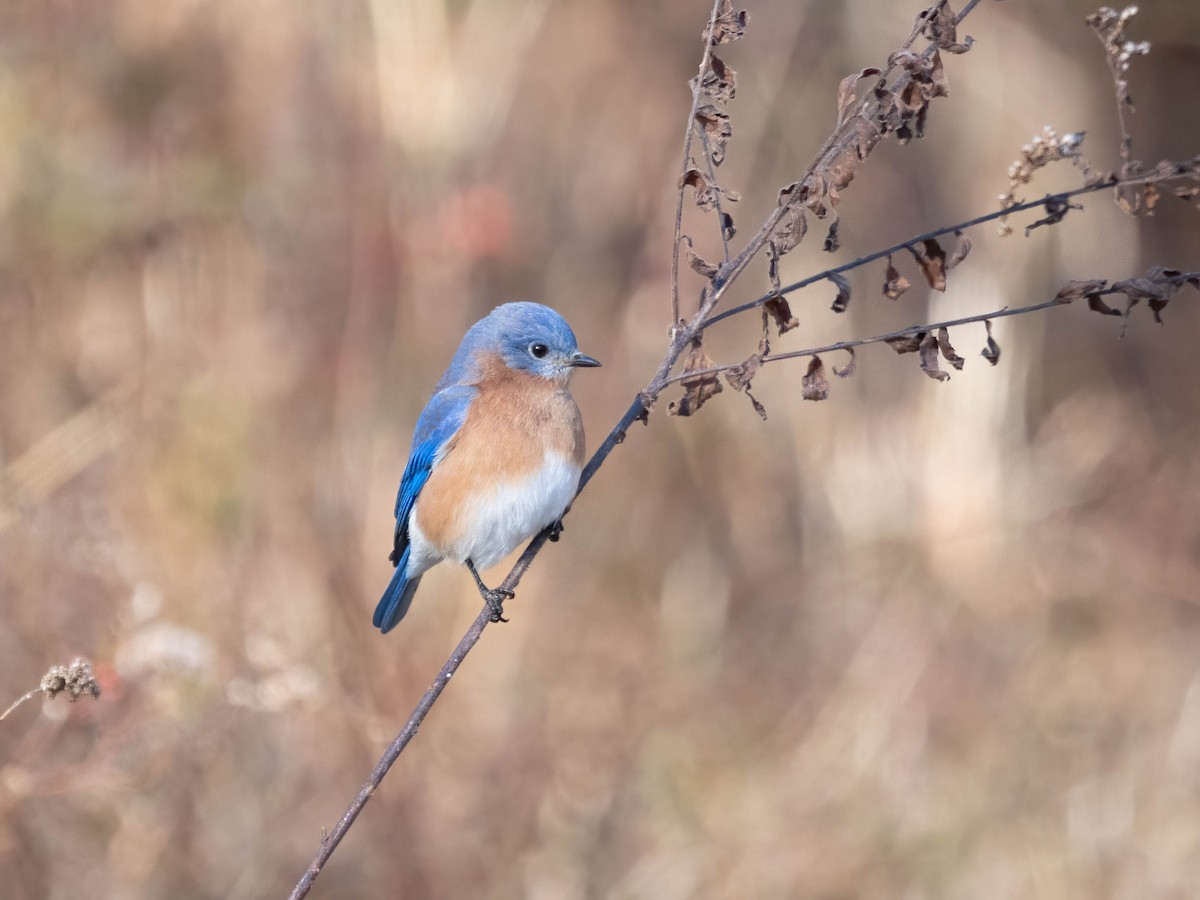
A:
x: 918, y: 641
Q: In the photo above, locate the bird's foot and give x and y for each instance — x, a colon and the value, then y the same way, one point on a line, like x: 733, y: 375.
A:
x: 495, y: 599
x: 556, y: 529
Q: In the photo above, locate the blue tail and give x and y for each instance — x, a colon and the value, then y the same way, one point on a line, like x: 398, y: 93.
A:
x: 397, y: 598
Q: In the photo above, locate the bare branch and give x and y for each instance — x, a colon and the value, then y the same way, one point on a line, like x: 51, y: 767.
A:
x: 1062, y: 298
x: 687, y: 156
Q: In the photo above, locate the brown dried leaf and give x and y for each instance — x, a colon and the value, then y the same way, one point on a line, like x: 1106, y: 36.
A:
x: 1095, y: 304
x: 940, y: 28
x: 814, y: 385
x: 1138, y: 289
x: 1074, y: 290
x: 961, y: 249
x: 740, y: 376
x: 932, y: 259
x: 717, y: 130
x: 790, y: 231
x: 843, y: 295
x: 719, y: 83
x: 727, y: 227
x: 848, y: 369
x: 909, y: 343
x: 699, y: 265
x: 782, y: 314
x: 1056, y: 208
x: 991, y: 351
x: 706, y: 190
x: 943, y: 341
x: 729, y: 25
x: 758, y: 407
x: 929, y: 359
x: 832, y: 241
x: 1150, y: 198
x: 846, y: 97
x: 896, y: 284
x: 699, y: 389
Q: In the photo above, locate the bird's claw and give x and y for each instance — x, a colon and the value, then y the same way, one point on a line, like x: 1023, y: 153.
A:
x: 556, y: 530
x: 495, y: 599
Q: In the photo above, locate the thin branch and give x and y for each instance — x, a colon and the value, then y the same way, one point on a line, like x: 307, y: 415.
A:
x: 687, y: 156
x: 19, y: 701
x: 929, y: 235
x: 913, y: 330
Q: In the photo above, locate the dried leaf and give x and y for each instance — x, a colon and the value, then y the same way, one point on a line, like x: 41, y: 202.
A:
x: 929, y: 359
x: 729, y: 24
x: 758, y: 407
x: 1150, y: 199
x: 1074, y: 290
x: 932, y: 259
x: 727, y: 227
x: 843, y: 295
x: 909, y: 343
x: 1095, y: 304
x: 991, y: 351
x: 896, y: 284
x: 832, y: 241
x: 848, y: 369
x: 814, y: 385
x: 790, y: 231
x: 846, y: 95
x: 940, y: 28
x: 699, y: 265
x: 943, y: 341
x: 740, y: 376
x: 961, y: 249
x: 1056, y: 208
x: 706, y: 190
x: 782, y: 314
x: 719, y: 83
x: 717, y: 130
x: 698, y: 389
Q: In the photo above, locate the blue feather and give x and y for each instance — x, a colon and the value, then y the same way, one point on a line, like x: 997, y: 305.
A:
x: 397, y: 598
x: 436, y: 428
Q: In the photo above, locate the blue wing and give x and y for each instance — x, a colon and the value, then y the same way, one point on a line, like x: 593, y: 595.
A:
x: 440, y: 421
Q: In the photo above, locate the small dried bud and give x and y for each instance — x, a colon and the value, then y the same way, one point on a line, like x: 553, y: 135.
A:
x: 76, y: 679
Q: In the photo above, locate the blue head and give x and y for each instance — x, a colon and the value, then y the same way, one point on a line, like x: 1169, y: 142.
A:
x: 529, y: 337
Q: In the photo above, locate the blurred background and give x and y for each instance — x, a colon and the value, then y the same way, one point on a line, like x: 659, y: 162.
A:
x: 921, y: 640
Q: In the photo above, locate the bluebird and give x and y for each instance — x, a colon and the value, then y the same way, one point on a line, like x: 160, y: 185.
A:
x: 496, y: 453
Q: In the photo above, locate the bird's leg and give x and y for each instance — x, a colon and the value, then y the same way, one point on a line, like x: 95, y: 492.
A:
x: 556, y: 529
x: 493, y: 597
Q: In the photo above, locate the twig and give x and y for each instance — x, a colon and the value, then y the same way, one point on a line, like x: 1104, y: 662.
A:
x: 687, y: 156
x: 1146, y: 178
x: 19, y: 701
x: 881, y: 338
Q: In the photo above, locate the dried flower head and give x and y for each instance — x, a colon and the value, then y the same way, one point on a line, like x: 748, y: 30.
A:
x: 76, y: 679
x: 1045, y: 148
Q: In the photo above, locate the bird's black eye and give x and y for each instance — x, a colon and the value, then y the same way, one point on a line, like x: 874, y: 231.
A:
x: 538, y: 350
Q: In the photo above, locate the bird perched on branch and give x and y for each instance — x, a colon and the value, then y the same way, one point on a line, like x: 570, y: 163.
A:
x: 496, y: 455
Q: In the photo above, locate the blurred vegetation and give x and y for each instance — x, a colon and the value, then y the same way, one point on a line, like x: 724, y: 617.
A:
x: 920, y: 640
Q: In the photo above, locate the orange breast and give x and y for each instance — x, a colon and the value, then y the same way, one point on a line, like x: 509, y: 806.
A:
x: 514, y: 420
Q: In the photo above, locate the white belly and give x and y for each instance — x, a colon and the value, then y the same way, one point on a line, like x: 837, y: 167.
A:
x: 496, y: 523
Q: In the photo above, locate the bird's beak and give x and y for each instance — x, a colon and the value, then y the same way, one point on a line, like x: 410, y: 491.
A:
x: 578, y: 360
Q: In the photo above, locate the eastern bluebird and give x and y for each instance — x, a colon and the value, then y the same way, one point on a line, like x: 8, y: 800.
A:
x: 496, y: 454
